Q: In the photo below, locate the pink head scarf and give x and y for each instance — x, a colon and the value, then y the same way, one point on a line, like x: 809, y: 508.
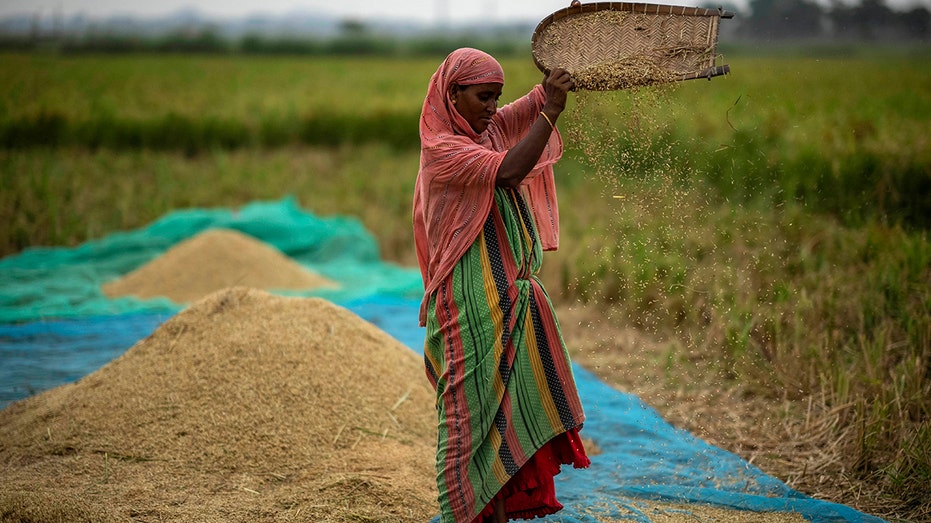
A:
x: 455, y: 186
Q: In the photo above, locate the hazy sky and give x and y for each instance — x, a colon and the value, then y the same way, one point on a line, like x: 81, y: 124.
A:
x: 422, y: 10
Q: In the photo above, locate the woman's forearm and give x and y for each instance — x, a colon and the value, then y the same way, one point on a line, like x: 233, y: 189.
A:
x: 520, y: 159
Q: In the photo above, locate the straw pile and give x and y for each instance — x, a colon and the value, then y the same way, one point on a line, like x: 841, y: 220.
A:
x: 211, y: 261
x: 244, y: 407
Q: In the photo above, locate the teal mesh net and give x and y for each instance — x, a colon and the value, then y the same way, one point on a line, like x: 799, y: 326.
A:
x: 44, y: 283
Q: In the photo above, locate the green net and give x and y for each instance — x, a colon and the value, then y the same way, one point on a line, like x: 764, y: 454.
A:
x: 43, y: 283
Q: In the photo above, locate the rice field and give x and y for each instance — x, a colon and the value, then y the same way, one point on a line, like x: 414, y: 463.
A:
x: 773, y: 222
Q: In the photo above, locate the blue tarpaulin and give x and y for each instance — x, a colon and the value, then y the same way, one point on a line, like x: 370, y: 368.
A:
x: 54, y: 333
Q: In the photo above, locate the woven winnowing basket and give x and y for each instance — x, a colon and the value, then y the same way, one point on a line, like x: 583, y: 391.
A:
x: 615, y: 45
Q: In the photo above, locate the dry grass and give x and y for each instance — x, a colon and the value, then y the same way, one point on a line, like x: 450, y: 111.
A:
x: 802, y: 442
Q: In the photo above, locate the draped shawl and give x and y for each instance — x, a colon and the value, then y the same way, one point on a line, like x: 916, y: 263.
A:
x: 455, y: 184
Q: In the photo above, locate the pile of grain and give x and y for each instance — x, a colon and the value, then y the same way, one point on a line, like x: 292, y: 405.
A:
x: 244, y: 407
x: 211, y: 261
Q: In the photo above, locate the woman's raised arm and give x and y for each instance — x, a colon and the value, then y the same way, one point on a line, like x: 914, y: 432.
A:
x: 520, y: 159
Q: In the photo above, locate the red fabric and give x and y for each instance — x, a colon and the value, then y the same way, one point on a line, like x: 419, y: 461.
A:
x: 531, y: 493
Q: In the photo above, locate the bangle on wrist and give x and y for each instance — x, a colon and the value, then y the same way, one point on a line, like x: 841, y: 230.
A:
x: 552, y: 127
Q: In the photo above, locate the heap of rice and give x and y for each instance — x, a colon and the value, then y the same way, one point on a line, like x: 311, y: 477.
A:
x: 213, y: 260
x: 244, y: 407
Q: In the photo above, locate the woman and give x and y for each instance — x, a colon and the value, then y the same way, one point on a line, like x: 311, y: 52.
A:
x: 484, y: 211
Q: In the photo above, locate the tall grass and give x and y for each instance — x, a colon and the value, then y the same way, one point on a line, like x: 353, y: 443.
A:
x: 66, y: 196
x: 773, y: 221
x: 799, y: 296
x: 778, y: 132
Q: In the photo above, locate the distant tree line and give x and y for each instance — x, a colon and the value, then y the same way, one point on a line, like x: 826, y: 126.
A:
x: 868, y: 20
x: 767, y: 20
x: 352, y: 38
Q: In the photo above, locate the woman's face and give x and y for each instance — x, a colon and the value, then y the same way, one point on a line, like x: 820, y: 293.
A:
x: 477, y: 103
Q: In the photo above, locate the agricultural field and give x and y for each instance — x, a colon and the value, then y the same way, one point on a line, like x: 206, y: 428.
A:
x: 756, y: 244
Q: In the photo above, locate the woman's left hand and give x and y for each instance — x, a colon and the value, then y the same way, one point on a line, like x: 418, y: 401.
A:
x: 557, y: 85
x: 521, y: 158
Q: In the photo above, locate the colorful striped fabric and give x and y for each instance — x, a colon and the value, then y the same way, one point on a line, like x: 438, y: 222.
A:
x: 496, y: 357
